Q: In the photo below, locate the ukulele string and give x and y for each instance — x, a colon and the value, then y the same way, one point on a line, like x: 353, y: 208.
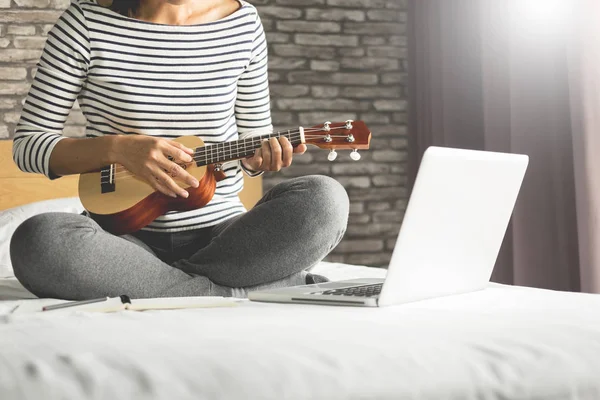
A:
x: 123, y: 173
x: 293, y: 135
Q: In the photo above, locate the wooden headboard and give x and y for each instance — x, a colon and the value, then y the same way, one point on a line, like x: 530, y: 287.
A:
x: 17, y: 188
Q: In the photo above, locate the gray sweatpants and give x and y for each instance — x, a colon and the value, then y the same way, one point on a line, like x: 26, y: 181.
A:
x: 293, y: 227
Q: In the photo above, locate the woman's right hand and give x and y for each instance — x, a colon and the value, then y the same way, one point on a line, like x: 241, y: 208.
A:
x: 147, y: 158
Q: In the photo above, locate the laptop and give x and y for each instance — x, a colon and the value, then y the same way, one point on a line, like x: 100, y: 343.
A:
x: 453, y: 227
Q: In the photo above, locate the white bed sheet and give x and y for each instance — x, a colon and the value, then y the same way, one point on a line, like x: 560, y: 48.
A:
x: 10, y: 219
x: 501, y: 343
x: 11, y: 288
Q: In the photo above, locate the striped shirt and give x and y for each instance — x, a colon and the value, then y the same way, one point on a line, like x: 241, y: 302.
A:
x: 135, y: 77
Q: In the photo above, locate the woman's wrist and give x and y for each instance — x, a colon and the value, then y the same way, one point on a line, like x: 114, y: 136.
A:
x: 113, y: 146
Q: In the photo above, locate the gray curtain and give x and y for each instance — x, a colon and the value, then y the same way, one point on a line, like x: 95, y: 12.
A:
x: 516, y: 76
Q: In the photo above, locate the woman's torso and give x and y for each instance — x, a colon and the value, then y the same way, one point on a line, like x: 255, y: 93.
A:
x: 169, y: 81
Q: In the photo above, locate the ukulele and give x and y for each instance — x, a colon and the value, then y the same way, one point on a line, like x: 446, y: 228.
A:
x: 123, y: 203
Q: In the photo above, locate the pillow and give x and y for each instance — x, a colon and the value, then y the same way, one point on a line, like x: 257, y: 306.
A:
x: 10, y: 219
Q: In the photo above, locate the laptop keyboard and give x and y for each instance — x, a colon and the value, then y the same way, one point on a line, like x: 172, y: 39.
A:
x: 358, y: 291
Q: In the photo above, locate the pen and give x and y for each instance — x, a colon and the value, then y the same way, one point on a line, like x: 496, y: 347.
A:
x: 73, y: 304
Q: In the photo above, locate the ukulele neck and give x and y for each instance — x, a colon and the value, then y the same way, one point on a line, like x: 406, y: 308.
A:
x: 238, y: 149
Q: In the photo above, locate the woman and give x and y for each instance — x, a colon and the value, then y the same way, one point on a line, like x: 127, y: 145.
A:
x: 146, y: 72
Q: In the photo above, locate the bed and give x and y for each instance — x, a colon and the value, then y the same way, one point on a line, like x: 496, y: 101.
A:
x: 504, y: 342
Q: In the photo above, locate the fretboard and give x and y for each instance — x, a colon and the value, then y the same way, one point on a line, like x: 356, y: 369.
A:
x: 237, y: 149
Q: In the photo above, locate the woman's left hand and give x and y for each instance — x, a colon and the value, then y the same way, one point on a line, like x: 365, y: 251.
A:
x: 273, y: 155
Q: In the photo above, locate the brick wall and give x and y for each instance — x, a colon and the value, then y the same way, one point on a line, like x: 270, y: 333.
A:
x: 329, y: 60
x: 337, y: 60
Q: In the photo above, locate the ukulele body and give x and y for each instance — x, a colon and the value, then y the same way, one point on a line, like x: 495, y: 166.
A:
x: 133, y: 203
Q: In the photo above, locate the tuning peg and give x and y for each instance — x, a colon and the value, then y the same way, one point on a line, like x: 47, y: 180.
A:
x: 332, y: 155
x: 354, y: 155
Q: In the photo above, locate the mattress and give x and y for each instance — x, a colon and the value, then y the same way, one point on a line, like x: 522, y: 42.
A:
x: 500, y: 343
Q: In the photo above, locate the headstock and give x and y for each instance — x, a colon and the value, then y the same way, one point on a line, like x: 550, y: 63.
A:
x: 349, y: 135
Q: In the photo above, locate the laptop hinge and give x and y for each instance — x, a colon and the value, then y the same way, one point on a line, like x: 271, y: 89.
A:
x: 313, y: 300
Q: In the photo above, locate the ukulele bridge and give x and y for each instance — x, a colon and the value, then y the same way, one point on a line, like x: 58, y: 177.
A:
x: 107, y: 179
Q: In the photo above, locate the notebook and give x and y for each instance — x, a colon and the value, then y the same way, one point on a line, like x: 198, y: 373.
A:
x: 121, y: 303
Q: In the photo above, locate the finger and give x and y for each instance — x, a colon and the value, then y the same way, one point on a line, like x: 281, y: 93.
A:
x: 154, y: 182
x: 256, y: 162
x: 287, y: 151
x: 169, y: 183
x: 182, y: 147
x: 300, y: 149
x: 266, y: 155
x: 178, y: 151
x: 175, y: 171
x: 276, y: 161
x: 163, y: 189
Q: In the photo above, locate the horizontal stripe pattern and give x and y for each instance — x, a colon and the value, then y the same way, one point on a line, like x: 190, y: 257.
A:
x: 133, y: 77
